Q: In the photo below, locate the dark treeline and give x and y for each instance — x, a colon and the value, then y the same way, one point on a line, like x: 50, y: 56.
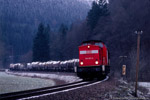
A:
x: 117, y: 30
x: 41, y: 44
x: 115, y: 24
x: 19, y: 20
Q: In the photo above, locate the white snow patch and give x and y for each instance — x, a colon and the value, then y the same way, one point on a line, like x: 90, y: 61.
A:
x: 66, y: 78
x: 123, y: 81
x: 146, y: 85
x: 89, y: 2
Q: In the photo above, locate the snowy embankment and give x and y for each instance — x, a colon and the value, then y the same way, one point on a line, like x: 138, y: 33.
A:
x: 12, y: 83
x: 146, y: 85
x: 66, y: 78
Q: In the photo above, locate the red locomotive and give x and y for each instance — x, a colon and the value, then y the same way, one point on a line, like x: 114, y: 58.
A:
x: 93, y: 59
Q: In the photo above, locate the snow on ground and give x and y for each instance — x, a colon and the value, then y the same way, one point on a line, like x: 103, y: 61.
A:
x: 125, y: 90
x: 11, y: 83
x: 146, y: 85
x: 89, y: 2
x: 66, y: 78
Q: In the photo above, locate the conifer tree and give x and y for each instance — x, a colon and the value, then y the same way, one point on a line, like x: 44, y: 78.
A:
x: 63, y: 30
x: 41, y: 45
x: 47, y: 32
x: 48, y: 37
x: 62, y: 40
x: 98, y: 9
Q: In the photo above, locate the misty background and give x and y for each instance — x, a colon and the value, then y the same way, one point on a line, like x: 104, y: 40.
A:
x: 69, y: 22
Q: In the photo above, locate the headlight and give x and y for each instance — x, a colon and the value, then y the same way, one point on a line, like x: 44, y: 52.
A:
x: 96, y: 62
x: 81, y: 63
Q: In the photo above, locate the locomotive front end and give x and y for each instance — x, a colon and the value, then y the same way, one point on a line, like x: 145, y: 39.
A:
x: 93, y: 59
x: 89, y: 56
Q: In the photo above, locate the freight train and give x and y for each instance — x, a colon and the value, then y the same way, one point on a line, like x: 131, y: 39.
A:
x: 94, y: 60
x: 51, y: 66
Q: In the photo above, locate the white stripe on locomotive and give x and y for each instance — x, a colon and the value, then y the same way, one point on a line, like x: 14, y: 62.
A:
x: 89, y: 52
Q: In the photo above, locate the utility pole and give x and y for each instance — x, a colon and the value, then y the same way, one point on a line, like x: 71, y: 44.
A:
x: 138, y: 55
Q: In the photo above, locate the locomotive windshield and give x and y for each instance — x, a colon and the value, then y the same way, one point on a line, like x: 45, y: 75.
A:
x: 86, y: 43
x: 99, y: 44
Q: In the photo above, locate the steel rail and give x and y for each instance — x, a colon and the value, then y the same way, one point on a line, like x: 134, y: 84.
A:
x: 5, y: 95
x: 40, y: 91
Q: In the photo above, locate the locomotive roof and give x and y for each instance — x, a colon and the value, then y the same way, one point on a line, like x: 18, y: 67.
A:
x: 89, y: 41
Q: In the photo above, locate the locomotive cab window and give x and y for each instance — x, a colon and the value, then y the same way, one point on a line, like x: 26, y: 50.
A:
x: 99, y: 44
x: 86, y: 44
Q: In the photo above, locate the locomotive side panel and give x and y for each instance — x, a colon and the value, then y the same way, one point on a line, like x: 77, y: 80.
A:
x: 105, y: 56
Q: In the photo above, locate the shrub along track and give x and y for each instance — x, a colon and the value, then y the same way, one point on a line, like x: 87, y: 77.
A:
x: 47, y: 90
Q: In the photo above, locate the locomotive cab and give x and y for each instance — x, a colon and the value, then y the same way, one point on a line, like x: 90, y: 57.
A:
x: 93, y: 59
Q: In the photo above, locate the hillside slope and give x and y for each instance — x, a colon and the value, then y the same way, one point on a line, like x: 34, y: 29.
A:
x: 19, y: 19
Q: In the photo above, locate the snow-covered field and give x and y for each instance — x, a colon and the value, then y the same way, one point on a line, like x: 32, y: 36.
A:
x: 146, y: 85
x: 11, y: 83
x: 62, y: 77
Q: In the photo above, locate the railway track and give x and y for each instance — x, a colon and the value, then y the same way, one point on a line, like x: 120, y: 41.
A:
x: 47, y: 90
